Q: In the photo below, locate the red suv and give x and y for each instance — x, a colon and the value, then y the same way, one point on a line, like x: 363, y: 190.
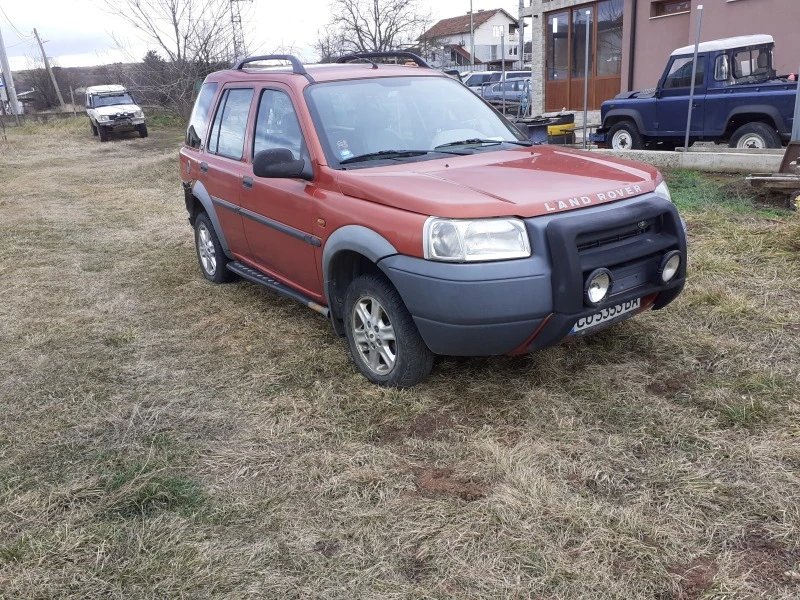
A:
x: 399, y: 204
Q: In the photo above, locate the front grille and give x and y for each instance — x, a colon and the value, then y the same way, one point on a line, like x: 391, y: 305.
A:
x: 586, y: 241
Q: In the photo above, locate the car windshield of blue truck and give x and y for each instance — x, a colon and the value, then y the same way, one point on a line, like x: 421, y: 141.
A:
x: 393, y: 119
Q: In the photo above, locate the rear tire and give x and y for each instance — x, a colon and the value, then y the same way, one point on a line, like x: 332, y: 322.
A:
x: 625, y: 136
x: 142, y: 129
x: 103, y: 133
x: 755, y: 136
x: 210, y: 255
x: 384, y: 340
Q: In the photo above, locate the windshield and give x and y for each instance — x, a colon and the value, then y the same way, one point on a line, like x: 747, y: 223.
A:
x: 111, y: 100
x: 419, y: 117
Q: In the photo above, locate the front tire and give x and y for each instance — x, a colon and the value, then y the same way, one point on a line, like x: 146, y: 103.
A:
x: 142, y: 129
x: 92, y: 128
x: 210, y: 255
x: 625, y: 136
x: 383, y: 339
x: 103, y: 133
x: 755, y: 136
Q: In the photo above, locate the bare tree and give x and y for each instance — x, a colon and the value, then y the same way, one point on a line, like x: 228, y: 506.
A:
x: 192, y: 38
x: 372, y: 25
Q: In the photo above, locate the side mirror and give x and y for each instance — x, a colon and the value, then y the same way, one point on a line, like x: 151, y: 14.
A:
x: 280, y: 163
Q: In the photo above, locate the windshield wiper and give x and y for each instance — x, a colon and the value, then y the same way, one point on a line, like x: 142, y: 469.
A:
x: 396, y: 154
x: 472, y: 141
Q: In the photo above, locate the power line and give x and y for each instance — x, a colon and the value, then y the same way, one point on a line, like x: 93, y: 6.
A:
x: 21, y: 35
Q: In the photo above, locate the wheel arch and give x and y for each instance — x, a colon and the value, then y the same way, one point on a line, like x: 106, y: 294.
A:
x: 755, y: 113
x: 199, y: 200
x: 350, y: 251
x: 615, y: 116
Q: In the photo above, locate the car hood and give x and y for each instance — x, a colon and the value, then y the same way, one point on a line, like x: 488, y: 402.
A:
x: 525, y: 182
x: 116, y: 109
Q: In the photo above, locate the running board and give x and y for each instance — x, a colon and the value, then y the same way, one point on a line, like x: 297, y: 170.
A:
x: 245, y: 272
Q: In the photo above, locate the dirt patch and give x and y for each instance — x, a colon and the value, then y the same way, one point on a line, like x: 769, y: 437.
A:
x: 673, y: 386
x: 327, y: 548
x: 423, y: 427
x: 439, y: 483
x: 766, y: 560
x: 696, y: 577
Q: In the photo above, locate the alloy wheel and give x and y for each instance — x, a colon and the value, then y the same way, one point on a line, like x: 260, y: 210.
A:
x: 374, y: 335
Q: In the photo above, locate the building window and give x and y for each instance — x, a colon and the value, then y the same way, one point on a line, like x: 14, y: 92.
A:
x: 662, y: 8
x: 493, y: 52
x: 497, y: 31
x: 558, y: 46
x: 580, y: 21
x: 609, y: 38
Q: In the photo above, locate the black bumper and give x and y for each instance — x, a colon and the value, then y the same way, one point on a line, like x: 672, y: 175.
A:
x: 484, y: 309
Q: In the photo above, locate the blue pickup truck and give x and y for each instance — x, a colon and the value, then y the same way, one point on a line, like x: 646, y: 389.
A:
x: 738, y: 100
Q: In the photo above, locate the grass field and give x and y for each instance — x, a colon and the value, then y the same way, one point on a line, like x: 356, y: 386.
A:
x: 164, y: 437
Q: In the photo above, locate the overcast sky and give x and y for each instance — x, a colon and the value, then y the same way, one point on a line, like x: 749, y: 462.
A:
x: 79, y: 32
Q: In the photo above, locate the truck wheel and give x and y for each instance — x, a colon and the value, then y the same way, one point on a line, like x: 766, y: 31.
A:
x: 755, y: 135
x: 210, y: 255
x: 142, y: 129
x: 103, y: 133
x: 794, y: 201
x: 625, y: 136
x: 383, y: 339
x: 92, y: 128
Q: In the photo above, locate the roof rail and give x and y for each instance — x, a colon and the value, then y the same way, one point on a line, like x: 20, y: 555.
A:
x: 367, y: 55
x: 297, y: 66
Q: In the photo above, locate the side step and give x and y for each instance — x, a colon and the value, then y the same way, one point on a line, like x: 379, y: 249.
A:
x: 245, y: 272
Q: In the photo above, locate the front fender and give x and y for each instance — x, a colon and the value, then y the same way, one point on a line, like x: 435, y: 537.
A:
x: 626, y: 113
x: 352, y: 238
x: 198, y: 190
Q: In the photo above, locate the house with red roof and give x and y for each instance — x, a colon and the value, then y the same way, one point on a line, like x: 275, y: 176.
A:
x: 448, y: 44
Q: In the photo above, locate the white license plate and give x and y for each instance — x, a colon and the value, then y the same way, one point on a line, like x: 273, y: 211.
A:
x: 605, y: 315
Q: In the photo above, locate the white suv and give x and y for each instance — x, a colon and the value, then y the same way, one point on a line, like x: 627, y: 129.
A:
x: 112, y: 108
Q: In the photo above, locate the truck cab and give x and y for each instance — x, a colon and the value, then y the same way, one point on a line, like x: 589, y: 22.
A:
x: 738, y: 100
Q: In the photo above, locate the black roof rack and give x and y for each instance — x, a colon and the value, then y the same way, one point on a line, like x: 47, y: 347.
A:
x: 297, y: 66
x: 368, y: 55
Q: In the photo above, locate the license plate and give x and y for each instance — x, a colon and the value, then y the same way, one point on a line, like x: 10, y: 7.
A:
x: 605, y: 315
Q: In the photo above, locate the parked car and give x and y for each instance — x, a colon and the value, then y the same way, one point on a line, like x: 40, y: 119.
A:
x: 514, y: 90
x: 416, y: 218
x: 474, y: 80
x: 112, y: 108
x: 738, y: 100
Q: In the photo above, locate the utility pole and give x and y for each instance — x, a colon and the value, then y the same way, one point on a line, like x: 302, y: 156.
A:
x: 8, y: 80
x: 521, y: 33
x: 237, y: 33
x: 49, y: 70
x: 471, y: 36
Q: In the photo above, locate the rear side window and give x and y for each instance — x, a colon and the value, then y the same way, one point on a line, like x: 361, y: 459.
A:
x: 230, y: 123
x: 198, y: 123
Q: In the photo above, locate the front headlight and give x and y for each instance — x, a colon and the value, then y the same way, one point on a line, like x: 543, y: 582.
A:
x: 138, y: 114
x: 663, y: 191
x: 102, y: 117
x: 458, y: 240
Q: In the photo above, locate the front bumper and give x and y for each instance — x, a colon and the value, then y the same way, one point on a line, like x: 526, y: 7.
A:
x: 484, y: 309
x: 121, y: 123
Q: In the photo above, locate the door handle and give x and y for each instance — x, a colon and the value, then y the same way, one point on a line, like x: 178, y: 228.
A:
x: 204, y: 167
x: 247, y: 183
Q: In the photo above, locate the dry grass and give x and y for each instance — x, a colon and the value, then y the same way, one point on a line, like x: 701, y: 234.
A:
x: 165, y: 437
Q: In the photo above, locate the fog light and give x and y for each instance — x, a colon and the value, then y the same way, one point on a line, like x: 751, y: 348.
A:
x: 669, y: 266
x: 597, y: 287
